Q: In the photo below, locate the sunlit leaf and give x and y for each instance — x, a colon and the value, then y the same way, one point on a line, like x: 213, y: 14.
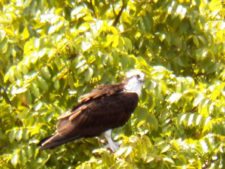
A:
x: 175, y: 97
x: 53, y: 52
x: 15, y: 160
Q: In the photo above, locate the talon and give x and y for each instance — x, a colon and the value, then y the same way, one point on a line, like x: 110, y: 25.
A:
x: 113, y: 146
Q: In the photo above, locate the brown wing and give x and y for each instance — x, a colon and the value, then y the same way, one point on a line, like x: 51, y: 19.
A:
x: 100, y: 91
x: 94, y: 117
x: 99, y: 115
x: 103, y: 90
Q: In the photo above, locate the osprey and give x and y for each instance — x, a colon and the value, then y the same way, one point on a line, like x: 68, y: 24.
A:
x: 103, y: 109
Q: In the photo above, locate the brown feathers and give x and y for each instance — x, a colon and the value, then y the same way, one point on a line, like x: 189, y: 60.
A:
x: 104, y: 108
x: 103, y: 90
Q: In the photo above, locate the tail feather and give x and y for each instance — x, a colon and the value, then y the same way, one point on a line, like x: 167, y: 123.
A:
x: 54, y: 141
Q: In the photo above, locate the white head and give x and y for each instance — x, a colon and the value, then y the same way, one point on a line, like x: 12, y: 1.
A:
x: 134, y: 81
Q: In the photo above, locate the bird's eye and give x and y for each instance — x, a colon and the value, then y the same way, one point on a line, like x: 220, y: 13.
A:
x: 138, y: 76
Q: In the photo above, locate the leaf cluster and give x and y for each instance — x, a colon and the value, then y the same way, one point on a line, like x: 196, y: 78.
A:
x: 52, y: 52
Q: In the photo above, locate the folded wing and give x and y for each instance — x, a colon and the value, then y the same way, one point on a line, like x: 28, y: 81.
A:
x: 104, y: 108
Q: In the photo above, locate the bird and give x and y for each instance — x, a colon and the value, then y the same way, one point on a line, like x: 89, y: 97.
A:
x: 105, y: 108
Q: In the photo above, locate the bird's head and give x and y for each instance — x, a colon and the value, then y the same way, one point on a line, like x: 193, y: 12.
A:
x: 134, y: 81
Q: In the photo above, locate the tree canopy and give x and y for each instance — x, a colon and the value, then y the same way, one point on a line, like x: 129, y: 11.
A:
x: 53, y: 52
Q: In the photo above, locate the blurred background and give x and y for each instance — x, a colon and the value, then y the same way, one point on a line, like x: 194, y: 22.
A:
x: 52, y: 52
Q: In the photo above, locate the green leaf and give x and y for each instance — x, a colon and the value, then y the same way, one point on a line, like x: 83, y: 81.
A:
x: 198, y: 100
x: 35, y: 90
x: 88, y: 74
x: 42, y: 83
x: 19, y: 135
x: 174, y: 98
x: 165, y: 149
x: 52, y: 52
x: 45, y: 72
x: 15, y: 159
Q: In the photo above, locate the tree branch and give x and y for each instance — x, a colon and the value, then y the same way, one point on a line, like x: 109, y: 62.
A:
x: 3, y: 93
x: 119, y: 15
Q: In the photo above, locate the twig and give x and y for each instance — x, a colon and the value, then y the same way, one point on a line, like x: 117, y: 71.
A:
x: 119, y: 14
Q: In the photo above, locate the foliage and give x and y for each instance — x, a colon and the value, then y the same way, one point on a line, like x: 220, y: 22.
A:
x: 52, y: 52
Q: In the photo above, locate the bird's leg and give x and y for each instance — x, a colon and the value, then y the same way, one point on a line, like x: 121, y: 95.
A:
x: 111, y: 144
